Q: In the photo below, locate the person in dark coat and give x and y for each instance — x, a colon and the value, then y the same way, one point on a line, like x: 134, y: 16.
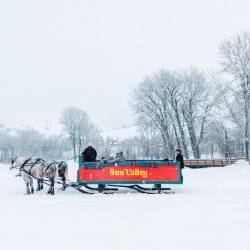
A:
x: 89, y: 154
x: 179, y: 158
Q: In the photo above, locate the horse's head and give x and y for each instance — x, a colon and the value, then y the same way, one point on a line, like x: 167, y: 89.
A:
x: 17, y: 162
x: 12, y: 163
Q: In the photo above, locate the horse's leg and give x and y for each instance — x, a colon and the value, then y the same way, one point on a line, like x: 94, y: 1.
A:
x: 31, y: 186
x: 49, y: 191
x: 27, y: 188
x: 38, y: 185
x: 52, y: 181
x: 27, y: 182
x: 51, y: 186
x: 64, y: 182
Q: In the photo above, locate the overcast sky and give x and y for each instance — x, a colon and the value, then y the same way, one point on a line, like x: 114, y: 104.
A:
x: 89, y: 54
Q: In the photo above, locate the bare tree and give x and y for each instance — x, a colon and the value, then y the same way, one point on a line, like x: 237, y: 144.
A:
x: 197, y: 105
x: 150, y: 140
x: 80, y: 130
x: 235, y: 59
x: 173, y: 101
x: 151, y: 101
x: 174, y: 92
x: 70, y: 121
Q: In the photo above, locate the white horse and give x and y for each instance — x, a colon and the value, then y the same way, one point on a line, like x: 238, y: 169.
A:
x: 35, y: 168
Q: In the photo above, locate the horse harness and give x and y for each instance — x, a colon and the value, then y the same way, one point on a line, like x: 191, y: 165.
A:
x: 38, y: 160
x: 48, y: 166
x: 24, y: 163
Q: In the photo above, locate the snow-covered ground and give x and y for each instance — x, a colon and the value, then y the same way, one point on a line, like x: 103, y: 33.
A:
x: 210, y: 211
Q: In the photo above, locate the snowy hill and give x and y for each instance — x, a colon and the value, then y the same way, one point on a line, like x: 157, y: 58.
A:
x: 210, y: 211
x: 120, y: 133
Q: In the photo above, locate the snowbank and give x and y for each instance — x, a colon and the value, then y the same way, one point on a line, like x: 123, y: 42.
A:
x: 210, y: 211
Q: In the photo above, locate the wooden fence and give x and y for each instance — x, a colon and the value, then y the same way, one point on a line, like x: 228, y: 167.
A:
x: 206, y: 163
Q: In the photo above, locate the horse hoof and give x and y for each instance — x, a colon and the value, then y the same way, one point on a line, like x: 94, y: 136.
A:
x: 38, y: 189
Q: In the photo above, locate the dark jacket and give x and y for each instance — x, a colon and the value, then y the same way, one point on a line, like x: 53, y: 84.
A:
x: 179, y: 158
x: 89, y: 154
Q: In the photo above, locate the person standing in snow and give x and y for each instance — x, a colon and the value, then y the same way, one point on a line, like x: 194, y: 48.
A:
x: 89, y: 154
x: 179, y: 158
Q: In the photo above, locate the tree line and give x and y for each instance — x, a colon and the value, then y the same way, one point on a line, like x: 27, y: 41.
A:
x: 205, y: 114
x: 200, y: 113
x: 77, y: 133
